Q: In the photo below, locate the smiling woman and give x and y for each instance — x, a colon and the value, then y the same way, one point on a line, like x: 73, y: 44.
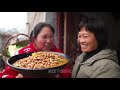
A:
x: 96, y: 60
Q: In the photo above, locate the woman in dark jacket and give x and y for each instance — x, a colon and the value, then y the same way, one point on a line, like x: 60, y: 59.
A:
x: 96, y: 60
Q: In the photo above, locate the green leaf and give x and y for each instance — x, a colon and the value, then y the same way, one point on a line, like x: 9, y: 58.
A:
x: 60, y: 61
x: 17, y: 65
x: 18, y: 46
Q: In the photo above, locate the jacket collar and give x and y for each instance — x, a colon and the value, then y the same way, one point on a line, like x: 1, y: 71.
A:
x: 103, y: 54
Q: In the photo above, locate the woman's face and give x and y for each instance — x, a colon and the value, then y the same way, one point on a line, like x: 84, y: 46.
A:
x: 87, y: 40
x: 45, y: 39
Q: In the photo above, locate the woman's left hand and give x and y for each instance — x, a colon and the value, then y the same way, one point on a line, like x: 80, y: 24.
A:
x: 57, y: 76
x: 19, y: 76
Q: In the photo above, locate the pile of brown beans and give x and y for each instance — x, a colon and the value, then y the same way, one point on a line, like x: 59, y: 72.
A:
x: 40, y: 60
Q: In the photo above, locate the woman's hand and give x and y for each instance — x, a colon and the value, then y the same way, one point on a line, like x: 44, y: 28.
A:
x: 19, y: 76
x: 57, y: 76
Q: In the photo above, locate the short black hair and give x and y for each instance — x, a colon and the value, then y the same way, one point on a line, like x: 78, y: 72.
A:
x: 97, y: 27
x: 38, y: 27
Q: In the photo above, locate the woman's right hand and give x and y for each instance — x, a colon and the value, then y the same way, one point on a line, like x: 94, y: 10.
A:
x: 19, y: 76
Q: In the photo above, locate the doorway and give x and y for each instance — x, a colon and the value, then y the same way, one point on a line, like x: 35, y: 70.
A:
x: 67, y: 26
